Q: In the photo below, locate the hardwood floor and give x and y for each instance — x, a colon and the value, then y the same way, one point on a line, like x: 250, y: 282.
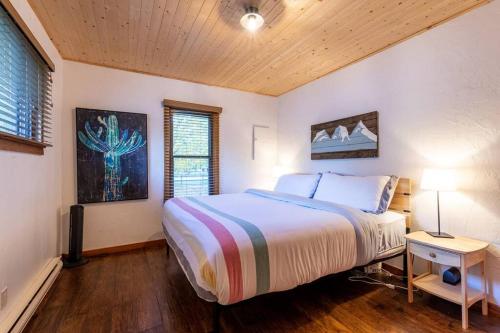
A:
x: 146, y: 291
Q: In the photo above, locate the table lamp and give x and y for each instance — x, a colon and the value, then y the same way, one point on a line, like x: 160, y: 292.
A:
x: 438, y: 180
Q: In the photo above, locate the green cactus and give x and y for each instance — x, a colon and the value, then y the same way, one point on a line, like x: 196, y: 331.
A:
x: 113, y: 147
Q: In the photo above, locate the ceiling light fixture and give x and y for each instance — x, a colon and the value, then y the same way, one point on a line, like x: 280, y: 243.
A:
x: 252, y: 20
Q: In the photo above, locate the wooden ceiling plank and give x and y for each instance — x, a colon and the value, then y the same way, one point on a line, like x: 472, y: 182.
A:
x: 84, y: 16
x: 109, y: 20
x: 209, y: 6
x: 223, y: 54
x: 245, y: 42
x: 199, y: 7
x: 79, y: 20
x: 297, y: 55
x: 51, y: 7
x: 49, y: 26
x: 203, y: 38
x: 112, y: 28
x: 157, y: 18
x: 297, y: 29
x: 134, y: 13
x: 123, y: 30
x: 321, y: 37
x: 171, y: 68
x: 119, y: 11
x: 223, y: 31
x: 273, y: 69
x: 72, y: 27
x: 236, y: 69
x: 113, y: 23
x: 90, y: 29
x: 174, y: 33
x: 295, y: 83
x: 144, y: 24
x: 211, y: 42
x: 165, y: 26
x: 168, y: 39
x: 202, y: 41
x: 183, y: 27
x: 102, y: 31
x: 369, y: 37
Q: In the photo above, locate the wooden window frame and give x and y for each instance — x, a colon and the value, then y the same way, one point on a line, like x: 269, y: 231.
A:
x: 169, y: 107
x: 11, y: 142
x: 14, y: 143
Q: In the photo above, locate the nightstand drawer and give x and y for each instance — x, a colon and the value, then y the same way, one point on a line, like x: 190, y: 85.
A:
x: 435, y: 255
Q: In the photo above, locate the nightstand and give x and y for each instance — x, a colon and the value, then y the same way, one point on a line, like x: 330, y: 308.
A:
x: 460, y: 252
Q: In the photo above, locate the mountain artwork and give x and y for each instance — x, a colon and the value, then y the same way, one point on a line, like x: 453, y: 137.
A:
x: 111, y: 156
x: 353, y: 137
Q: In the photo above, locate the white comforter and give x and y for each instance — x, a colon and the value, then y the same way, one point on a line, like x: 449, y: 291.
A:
x: 235, y: 246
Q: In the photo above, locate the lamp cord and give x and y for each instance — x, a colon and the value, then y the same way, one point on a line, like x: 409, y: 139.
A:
x: 365, y: 278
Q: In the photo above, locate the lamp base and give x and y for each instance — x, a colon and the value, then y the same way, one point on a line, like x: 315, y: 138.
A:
x: 439, y: 234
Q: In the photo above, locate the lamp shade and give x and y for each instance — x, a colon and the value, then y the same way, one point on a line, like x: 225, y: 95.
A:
x: 438, y: 180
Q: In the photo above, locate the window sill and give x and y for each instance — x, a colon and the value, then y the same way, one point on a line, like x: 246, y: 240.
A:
x: 13, y: 143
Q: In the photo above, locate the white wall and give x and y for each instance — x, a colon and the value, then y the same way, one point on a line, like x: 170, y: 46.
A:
x: 30, y: 193
x: 110, y: 224
x: 438, y: 97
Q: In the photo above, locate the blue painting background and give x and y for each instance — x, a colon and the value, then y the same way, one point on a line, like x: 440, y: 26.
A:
x: 90, y: 163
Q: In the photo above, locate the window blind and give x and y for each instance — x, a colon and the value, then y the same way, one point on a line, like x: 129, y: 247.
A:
x: 191, y: 153
x: 25, y: 85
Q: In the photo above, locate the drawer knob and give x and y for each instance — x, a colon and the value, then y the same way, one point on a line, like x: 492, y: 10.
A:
x: 432, y: 255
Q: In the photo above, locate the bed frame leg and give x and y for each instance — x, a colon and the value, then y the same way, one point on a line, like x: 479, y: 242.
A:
x: 216, y: 318
x: 405, y: 261
x: 405, y: 267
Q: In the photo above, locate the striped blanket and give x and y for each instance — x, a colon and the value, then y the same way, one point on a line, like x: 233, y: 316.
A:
x: 236, y: 246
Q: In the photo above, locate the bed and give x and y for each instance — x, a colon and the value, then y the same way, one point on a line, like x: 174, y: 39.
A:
x: 233, y: 247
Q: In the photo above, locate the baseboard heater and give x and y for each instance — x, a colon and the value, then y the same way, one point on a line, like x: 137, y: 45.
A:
x: 30, y: 299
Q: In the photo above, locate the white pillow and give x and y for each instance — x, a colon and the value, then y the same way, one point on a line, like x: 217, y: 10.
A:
x: 303, y: 185
x: 355, y: 191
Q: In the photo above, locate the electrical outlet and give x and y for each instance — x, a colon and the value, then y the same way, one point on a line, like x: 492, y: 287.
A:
x: 3, y: 298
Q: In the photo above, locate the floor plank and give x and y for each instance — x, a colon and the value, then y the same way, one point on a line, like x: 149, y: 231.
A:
x: 145, y: 291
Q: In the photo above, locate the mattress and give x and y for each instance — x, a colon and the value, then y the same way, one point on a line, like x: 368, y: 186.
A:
x: 391, y: 228
x: 236, y: 246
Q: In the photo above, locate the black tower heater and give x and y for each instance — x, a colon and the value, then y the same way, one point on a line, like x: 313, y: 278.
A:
x: 75, y: 257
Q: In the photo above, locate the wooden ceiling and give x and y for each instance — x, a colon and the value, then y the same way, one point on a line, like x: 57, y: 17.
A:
x: 202, y: 40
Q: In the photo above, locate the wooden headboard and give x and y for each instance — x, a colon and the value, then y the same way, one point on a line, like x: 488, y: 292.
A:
x: 401, y: 202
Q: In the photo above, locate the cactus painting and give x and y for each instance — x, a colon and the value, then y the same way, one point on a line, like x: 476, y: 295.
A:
x: 111, y: 156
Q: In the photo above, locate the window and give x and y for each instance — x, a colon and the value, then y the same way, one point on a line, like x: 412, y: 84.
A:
x: 25, y: 87
x: 191, y: 149
x: 191, y: 153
